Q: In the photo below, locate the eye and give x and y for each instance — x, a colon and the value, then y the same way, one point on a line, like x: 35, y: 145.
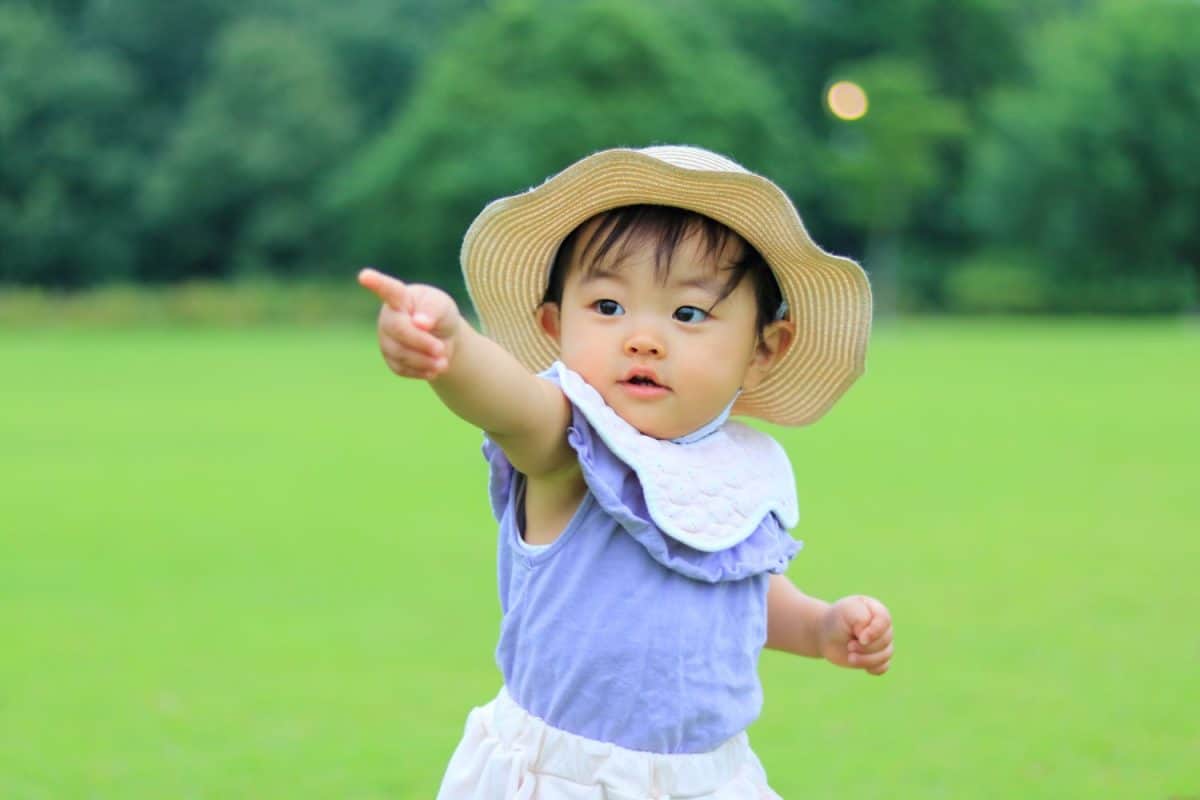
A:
x: 609, y: 308
x: 690, y: 314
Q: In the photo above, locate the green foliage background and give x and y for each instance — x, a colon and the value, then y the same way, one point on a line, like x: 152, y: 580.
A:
x: 1016, y: 157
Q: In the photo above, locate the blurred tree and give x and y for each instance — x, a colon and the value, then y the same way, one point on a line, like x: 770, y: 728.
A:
x: 68, y: 156
x: 166, y: 43
x: 378, y: 45
x: 527, y: 87
x: 371, y: 50
x: 882, y: 165
x: 67, y: 12
x: 960, y: 48
x: 1093, y: 167
x: 236, y: 188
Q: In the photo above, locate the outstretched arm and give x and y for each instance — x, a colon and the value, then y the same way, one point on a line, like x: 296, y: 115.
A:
x: 422, y: 335
x: 854, y: 632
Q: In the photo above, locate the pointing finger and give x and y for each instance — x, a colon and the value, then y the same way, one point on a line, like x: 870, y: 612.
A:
x: 385, y: 287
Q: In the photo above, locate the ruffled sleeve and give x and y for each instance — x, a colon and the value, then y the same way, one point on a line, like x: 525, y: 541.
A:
x: 618, y: 491
x: 501, y: 473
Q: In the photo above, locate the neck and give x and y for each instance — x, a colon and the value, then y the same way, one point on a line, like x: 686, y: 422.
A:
x: 710, y: 427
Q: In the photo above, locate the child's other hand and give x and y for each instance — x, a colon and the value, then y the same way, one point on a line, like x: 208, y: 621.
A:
x: 857, y: 633
x: 418, y: 325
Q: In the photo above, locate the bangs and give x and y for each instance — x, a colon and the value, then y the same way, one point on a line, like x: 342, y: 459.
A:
x: 666, y: 227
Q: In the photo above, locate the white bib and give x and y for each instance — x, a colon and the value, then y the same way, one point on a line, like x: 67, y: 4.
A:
x: 710, y: 494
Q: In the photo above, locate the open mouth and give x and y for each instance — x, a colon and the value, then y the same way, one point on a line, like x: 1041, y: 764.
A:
x: 644, y: 385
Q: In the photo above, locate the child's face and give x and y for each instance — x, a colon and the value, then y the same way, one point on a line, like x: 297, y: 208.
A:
x: 663, y: 356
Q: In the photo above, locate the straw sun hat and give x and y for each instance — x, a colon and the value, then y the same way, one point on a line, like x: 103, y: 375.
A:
x: 510, y: 247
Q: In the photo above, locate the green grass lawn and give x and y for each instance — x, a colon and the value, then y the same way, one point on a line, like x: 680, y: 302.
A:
x: 255, y: 564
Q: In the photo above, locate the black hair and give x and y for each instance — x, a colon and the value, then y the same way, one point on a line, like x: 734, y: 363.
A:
x: 667, y: 226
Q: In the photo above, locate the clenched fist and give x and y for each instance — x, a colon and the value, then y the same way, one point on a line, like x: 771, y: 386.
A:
x: 856, y: 632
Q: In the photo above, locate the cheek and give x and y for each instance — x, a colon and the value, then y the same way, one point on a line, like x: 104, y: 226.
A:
x: 579, y: 346
x: 722, y: 362
x: 573, y: 335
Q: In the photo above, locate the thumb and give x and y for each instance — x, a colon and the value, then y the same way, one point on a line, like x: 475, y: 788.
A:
x: 433, y: 310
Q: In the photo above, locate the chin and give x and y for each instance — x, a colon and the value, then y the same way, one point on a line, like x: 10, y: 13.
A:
x: 654, y: 431
x: 653, y: 434
x: 641, y: 425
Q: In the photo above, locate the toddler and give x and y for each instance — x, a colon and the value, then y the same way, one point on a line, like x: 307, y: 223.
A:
x: 632, y: 303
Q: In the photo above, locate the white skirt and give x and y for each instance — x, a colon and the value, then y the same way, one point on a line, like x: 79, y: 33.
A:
x: 508, y: 754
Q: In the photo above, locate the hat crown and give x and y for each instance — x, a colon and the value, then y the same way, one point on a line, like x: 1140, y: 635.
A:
x: 695, y: 158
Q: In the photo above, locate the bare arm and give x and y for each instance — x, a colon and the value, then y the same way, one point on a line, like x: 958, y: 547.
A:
x: 524, y: 414
x: 793, y: 619
x: 423, y: 335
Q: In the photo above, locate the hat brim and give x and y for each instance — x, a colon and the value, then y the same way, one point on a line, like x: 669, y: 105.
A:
x: 509, y: 249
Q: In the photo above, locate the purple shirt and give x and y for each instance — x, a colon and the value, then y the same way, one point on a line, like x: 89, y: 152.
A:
x: 617, y: 632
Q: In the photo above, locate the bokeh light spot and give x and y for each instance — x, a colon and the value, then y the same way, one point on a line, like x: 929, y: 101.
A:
x: 847, y: 100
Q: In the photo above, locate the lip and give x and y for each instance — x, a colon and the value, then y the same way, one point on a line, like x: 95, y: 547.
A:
x: 644, y: 390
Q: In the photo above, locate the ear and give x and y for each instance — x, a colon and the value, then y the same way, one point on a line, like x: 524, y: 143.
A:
x: 776, y: 340
x: 549, y: 320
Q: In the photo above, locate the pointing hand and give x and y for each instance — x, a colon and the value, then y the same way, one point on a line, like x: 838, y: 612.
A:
x: 418, y: 325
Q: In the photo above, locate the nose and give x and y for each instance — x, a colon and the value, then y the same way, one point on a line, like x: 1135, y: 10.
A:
x: 645, y: 343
